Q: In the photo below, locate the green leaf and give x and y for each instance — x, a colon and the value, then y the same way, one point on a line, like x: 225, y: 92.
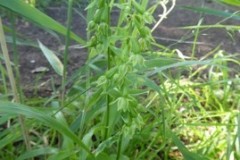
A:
x: 52, y: 59
x: 122, y: 157
x: 62, y: 155
x: 18, y: 109
x: 122, y: 104
x: 102, y: 156
x: 37, y: 17
x: 105, y: 144
x: 235, y: 3
x: 151, y: 84
x: 138, y: 7
x: 37, y: 152
x: 160, y: 62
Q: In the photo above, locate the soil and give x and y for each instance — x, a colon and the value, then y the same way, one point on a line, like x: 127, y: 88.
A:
x: 167, y: 34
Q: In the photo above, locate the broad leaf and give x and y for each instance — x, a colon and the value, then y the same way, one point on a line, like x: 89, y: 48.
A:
x: 52, y: 59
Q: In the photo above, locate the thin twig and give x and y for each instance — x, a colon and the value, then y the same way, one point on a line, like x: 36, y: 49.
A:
x: 165, y: 12
x: 181, y: 41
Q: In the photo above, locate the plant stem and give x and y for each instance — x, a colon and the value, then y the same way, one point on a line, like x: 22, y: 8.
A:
x: 119, y: 147
x: 238, y: 121
x: 196, y: 34
x: 65, y: 56
x: 2, y: 70
x: 13, y: 84
x: 16, y: 55
x: 88, y: 72
x: 107, y: 116
x: 108, y: 68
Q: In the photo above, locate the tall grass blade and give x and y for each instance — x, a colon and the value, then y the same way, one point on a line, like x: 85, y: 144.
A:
x: 214, y: 12
x: 235, y: 3
x: 13, y: 83
x: 9, y: 137
x: 183, y: 64
x: 38, y: 17
x: 233, y: 27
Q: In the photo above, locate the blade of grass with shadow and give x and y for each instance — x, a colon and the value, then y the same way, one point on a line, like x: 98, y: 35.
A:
x: 38, y: 17
x: 214, y: 12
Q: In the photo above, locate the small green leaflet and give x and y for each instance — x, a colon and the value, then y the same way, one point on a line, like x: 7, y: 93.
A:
x: 52, y: 59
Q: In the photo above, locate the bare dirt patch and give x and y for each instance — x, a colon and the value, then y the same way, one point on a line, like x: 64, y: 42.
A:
x: 167, y: 34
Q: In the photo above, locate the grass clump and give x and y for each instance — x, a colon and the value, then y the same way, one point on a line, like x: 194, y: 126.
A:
x: 133, y: 98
